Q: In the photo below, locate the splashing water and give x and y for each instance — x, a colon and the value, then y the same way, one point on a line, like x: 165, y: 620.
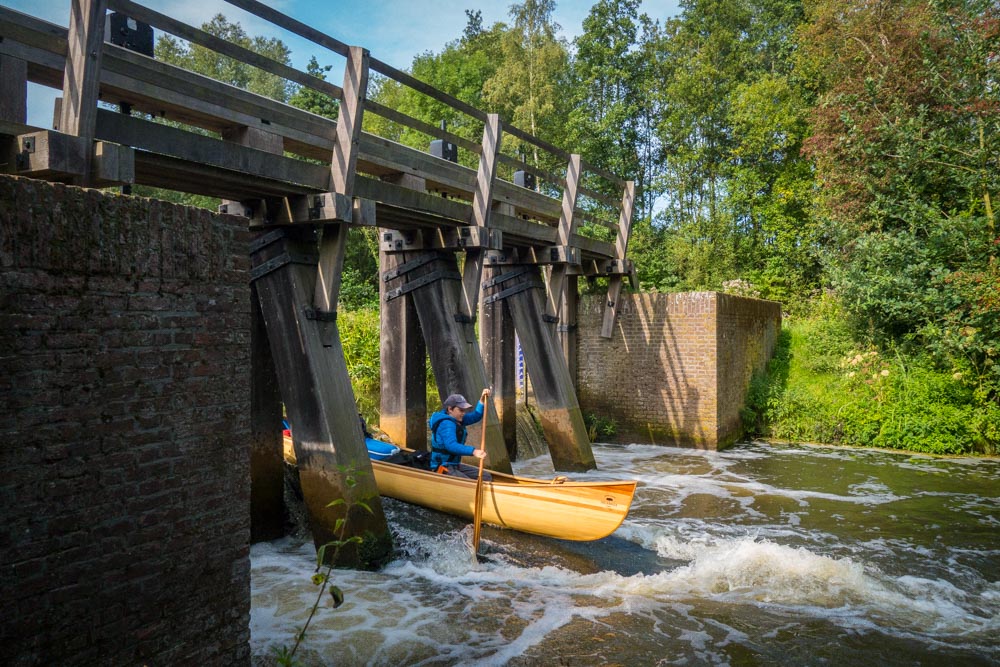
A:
x: 756, y: 555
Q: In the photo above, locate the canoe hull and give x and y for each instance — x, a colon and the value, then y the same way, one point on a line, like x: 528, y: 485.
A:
x: 579, y: 511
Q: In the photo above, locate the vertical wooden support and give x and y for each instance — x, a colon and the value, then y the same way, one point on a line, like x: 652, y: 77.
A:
x: 497, y: 341
x: 566, y: 229
x: 267, y: 470
x: 312, y: 374
x: 482, y: 204
x: 621, y: 246
x: 555, y: 397
x: 81, y: 79
x: 402, y: 354
x: 342, y: 173
x: 567, y: 325
x: 13, y: 89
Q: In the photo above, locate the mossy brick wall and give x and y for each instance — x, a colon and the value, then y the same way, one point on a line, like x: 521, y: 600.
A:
x: 677, y: 368
x: 124, y: 357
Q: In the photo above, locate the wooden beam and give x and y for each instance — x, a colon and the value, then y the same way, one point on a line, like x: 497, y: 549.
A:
x: 316, y: 388
x: 558, y: 407
x: 342, y: 173
x: 81, y: 79
x: 566, y: 230
x: 621, y: 246
x: 13, y: 89
x: 482, y: 206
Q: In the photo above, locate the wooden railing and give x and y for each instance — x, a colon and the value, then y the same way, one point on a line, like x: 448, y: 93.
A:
x: 97, y: 145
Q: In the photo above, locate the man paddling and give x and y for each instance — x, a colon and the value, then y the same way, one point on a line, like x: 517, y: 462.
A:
x: 448, y: 435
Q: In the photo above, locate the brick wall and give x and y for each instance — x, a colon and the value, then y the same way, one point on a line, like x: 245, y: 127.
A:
x: 678, y: 366
x: 124, y: 355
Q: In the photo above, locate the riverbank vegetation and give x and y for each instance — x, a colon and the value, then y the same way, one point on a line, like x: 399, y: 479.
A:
x: 839, y: 157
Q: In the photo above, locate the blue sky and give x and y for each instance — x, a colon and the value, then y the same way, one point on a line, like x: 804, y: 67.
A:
x: 394, y: 31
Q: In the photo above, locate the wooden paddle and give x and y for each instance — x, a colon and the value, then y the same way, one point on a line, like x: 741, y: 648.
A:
x: 477, y: 520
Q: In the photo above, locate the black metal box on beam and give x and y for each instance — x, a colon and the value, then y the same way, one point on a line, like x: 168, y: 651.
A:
x: 525, y: 179
x: 445, y: 150
x: 127, y: 32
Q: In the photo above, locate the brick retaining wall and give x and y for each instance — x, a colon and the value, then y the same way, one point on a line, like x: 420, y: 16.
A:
x: 677, y: 368
x: 124, y: 356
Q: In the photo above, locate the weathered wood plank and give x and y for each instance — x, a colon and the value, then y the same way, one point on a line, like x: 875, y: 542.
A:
x: 342, y: 173
x: 566, y: 230
x: 81, y: 80
x: 316, y: 388
x: 482, y: 206
x: 558, y: 408
x: 13, y: 89
x: 403, y: 356
x: 621, y: 247
x: 226, y: 48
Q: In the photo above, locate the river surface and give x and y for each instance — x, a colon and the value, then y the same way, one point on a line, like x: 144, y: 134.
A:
x: 758, y: 555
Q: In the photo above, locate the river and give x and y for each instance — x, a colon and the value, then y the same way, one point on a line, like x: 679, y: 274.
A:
x: 757, y: 555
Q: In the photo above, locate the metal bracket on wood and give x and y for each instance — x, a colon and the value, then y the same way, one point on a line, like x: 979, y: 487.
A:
x: 462, y: 318
x: 551, y: 319
x: 406, y: 267
x: 426, y: 279
x: 566, y: 328
x: 320, y: 315
x: 504, y: 277
x: 616, y: 267
x: 281, y: 260
x: 511, y: 291
x: 265, y: 240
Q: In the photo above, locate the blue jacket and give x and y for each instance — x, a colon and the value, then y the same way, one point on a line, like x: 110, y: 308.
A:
x: 448, y: 440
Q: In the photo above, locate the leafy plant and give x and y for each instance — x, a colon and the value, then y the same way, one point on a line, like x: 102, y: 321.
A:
x: 322, y: 577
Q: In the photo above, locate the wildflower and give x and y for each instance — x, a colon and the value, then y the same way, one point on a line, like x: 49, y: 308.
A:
x: 885, y: 372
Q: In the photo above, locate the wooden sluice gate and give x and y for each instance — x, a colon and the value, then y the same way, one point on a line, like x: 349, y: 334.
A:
x: 459, y: 247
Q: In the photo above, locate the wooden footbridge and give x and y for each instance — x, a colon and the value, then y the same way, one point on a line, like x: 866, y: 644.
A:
x: 458, y: 245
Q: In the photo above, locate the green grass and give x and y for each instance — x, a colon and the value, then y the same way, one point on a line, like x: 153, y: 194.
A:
x: 822, y: 387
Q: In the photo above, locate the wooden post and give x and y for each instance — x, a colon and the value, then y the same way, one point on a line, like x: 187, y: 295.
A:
x: 621, y: 246
x: 555, y: 397
x: 566, y: 229
x: 402, y: 353
x: 267, y: 470
x: 81, y: 78
x: 432, y: 278
x: 312, y: 374
x: 13, y: 89
x: 342, y: 172
x: 497, y: 341
x: 482, y: 204
x: 567, y: 325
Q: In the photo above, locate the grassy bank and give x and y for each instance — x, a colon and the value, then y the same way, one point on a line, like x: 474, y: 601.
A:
x: 822, y: 387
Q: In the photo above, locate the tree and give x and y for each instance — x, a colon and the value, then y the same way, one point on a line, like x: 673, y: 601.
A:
x: 905, y: 138
x: 529, y: 90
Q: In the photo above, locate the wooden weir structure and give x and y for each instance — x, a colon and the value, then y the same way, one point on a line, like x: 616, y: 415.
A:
x: 457, y: 244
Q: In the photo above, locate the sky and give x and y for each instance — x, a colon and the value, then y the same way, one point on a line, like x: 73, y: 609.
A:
x: 394, y: 31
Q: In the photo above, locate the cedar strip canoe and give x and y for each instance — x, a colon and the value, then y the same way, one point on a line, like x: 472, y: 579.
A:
x: 559, y: 507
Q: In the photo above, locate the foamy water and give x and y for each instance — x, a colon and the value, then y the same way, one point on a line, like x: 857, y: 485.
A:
x: 757, y: 555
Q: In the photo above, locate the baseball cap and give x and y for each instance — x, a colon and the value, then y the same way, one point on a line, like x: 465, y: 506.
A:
x: 456, y: 400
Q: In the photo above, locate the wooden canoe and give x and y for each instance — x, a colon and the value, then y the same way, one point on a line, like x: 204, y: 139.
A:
x: 558, y: 508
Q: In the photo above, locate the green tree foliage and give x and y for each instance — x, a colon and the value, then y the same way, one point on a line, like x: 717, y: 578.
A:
x: 531, y: 90
x: 733, y: 188
x: 905, y: 139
